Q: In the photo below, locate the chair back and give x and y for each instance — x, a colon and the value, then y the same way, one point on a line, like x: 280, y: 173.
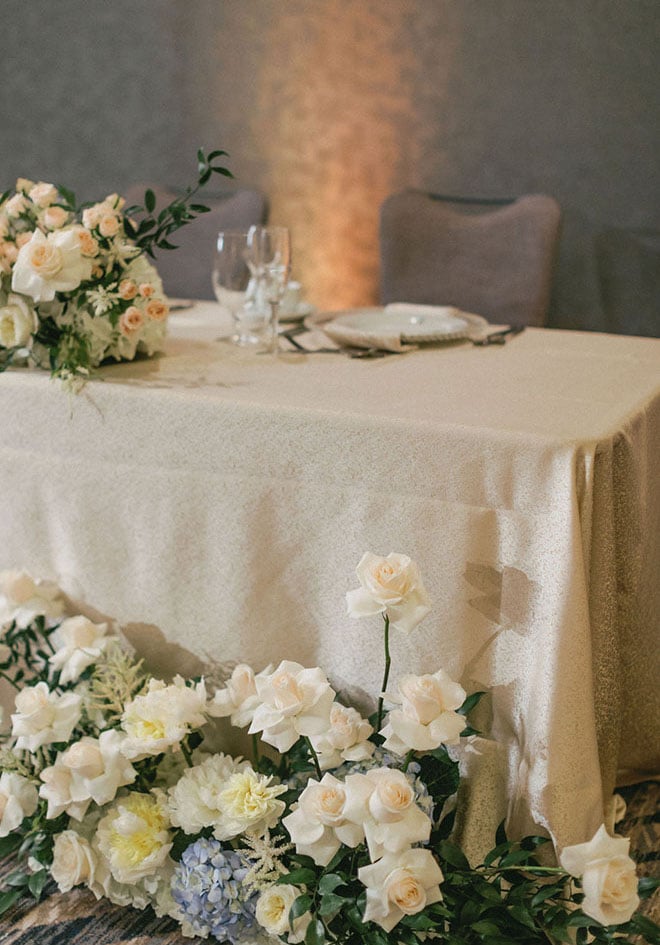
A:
x: 490, y: 257
x: 186, y: 271
x: 629, y: 277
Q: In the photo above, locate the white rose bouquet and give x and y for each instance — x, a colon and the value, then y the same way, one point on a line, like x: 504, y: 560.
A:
x: 76, y: 286
x: 341, y: 831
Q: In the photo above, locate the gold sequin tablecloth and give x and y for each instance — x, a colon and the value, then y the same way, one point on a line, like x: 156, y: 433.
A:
x: 217, y: 502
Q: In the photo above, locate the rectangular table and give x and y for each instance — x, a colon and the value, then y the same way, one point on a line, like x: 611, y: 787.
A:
x: 226, y: 498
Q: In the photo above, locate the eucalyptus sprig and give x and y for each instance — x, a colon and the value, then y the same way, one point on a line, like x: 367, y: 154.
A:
x: 153, y: 230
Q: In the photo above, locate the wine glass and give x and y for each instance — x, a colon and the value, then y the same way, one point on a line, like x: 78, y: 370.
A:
x: 236, y: 290
x: 269, y: 258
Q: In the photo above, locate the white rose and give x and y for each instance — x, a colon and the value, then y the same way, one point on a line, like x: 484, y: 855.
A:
x: 608, y: 877
x: 427, y: 717
x: 345, y: 740
x: 43, y: 717
x: 43, y: 194
x: 400, y: 884
x: 294, y: 701
x: 239, y: 698
x: 50, y: 264
x: 15, y: 205
x: 18, y: 321
x: 321, y: 821
x: 134, y: 837
x: 390, y: 586
x: 74, y: 861
x: 394, y: 821
x: 272, y: 912
x: 82, y: 643
x: 18, y: 799
x: 22, y: 598
x: 162, y: 717
x: 58, y: 790
x: 55, y: 217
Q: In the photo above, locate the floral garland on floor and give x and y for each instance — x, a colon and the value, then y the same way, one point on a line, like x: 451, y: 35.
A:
x: 76, y: 287
x: 107, y: 782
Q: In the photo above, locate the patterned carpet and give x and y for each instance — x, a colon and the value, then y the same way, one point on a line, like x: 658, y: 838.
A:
x: 78, y: 919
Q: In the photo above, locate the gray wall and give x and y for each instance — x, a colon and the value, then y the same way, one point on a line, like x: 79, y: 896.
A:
x: 329, y: 105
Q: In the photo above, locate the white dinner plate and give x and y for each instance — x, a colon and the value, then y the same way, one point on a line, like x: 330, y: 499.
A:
x: 402, y: 323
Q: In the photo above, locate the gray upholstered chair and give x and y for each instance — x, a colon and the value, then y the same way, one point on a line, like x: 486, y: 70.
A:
x: 491, y: 257
x: 186, y: 271
x: 629, y: 277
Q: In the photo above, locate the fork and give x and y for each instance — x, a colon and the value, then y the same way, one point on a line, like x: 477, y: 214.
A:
x: 498, y: 337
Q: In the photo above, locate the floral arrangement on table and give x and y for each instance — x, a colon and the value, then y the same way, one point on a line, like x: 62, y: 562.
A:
x: 338, y: 830
x: 76, y: 286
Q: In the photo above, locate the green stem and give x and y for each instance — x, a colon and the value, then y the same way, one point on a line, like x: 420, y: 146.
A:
x: 187, y: 754
x: 9, y: 680
x: 386, y: 675
x: 522, y: 869
x: 314, y: 757
x: 255, y: 750
x: 409, y: 758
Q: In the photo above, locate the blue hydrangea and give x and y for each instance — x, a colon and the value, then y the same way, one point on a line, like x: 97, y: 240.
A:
x: 208, y: 888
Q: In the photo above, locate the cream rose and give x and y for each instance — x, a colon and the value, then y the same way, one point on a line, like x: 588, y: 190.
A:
x: 50, y: 264
x: 43, y: 195
x: 393, y: 820
x: 108, y: 225
x: 328, y: 814
x: 74, y: 861
x: 294, y: 701
x: 55, y: 217
x: 80, y: 644
x: 131, y: 320
x: 15, y: 205
x: 345, y: 740
x: 127, y: 290
x: 608, y: 877
x: 18, y: 321
x: 18, y: 799
x: 157, y: 310
x: 427, y: 717
x: 239, y: 698
x: 43, y: 717
x: 272, y: 912
x: 22, y: 598
x: 390, y: 586
x: 400, y: 884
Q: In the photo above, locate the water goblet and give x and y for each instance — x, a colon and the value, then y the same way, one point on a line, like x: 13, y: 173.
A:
x: 236, y: 290
x: 269, y: 257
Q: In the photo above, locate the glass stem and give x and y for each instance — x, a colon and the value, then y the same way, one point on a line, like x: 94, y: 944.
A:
x: 274, y: 325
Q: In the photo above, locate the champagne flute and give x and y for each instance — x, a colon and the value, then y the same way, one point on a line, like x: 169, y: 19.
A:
x: 269, y: 257
x: 235, y: 290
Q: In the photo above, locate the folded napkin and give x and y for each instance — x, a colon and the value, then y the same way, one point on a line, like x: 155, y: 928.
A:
x: 344, y: 335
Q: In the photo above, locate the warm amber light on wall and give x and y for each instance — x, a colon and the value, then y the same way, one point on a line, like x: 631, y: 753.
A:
x: 334, y: 120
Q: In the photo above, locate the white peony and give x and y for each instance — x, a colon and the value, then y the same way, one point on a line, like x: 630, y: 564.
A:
x: 22, y: 598
x: 608, y: 877
x: 392, y: 820
x: 329, y: 813
x: 294, y: 701
x: 427, y: 717
x: 50, y: 264
x: 134, y: 837
x: 239, y: 698
x: 18, y: 321
x: 92, y: 769
x: 43, y: 717
x: 194, y: 801
x: 248, y: 804
x: 346, y: 739
x: 390, y: 586
x: 74, y: 861
x: 80, y: 644
x: 162, y: 717
x: 400, y: 884
x: 18, y: 799
x: 272, y: 912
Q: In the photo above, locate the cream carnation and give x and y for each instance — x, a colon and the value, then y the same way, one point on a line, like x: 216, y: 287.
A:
x: 248, y: 804
x: 390, y: 586
x: 194, y: 801
x: 18, y: 321
x: 608, y: 876
x: 134, y: 837
x: 22, y: 598
x: 50, y: 264
x: 294, y: 701
x: 18, y: 799
x: 43, y: 717
x: 162, y: 717
x: 427, y: 717
x: 82, y: 643
x: 400, y: 884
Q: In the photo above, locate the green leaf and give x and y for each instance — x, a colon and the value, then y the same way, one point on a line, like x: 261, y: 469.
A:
x: 299, y: 907
x: 10, y: 843
x: 470, y: 702
x: 330, y: 882
x: 647, y: 928
x: 37, y: 882
x: 8, y: 899
x: 223, y: 171
x: 205, y: 177
x: 453, y: 855
x: 300, y: 877
x: 647, y: 886
x: 199, y: 208
x: 216, y: 154
x: 315, y: 933
x: 150, y: 200
x: 331, y: 905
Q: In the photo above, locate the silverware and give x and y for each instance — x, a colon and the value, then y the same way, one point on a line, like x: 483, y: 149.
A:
x: 352, y: 352
x: 498, y: 337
